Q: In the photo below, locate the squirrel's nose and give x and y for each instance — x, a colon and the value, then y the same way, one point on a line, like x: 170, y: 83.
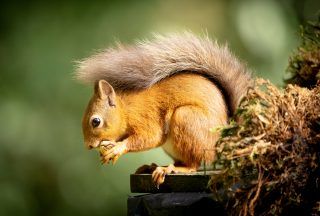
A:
x: 92, y: 145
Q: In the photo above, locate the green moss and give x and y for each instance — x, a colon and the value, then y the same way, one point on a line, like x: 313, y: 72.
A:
x: 269, y: 156
x: 304, y: 64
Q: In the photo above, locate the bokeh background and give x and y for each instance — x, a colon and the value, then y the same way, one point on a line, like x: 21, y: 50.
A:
x: 44, y: 166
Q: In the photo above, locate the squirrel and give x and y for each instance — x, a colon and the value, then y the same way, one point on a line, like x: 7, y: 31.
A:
x: 169, y: 92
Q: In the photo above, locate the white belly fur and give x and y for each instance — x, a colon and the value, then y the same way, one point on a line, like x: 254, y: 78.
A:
x: 169, y: 149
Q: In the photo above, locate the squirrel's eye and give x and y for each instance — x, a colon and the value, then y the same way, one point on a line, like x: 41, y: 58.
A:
x: 96, y: 121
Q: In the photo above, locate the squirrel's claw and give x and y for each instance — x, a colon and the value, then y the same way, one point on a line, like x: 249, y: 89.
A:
x: 113, y: 153
x: 114, y: 160
x: 160, y: 173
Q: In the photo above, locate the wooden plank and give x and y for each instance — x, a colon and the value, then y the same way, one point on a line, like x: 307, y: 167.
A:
x: 186, y: 182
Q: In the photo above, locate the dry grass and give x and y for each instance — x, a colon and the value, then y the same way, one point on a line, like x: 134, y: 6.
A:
x: 270, y: 157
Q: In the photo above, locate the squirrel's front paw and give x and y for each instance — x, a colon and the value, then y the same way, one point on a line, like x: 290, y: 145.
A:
x: 111, y: 151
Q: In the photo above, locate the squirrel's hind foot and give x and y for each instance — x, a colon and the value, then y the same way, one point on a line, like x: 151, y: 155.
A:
x: 159, y: 172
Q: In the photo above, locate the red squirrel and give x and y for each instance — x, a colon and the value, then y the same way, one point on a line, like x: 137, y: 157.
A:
x: 168, y: 92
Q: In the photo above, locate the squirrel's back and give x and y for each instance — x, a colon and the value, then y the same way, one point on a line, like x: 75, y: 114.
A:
x: 181, y: 109
x: 146, y: 63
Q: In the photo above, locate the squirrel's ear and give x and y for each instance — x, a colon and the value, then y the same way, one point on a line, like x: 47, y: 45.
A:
x: 105, y: 91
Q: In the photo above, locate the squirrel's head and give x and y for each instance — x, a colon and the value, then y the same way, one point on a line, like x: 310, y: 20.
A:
x: 103, y: 120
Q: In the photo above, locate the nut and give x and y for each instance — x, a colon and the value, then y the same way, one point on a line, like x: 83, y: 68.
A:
x: 106, y: 147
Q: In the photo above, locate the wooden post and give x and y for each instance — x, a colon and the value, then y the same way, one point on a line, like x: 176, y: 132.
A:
x: 180, y: 194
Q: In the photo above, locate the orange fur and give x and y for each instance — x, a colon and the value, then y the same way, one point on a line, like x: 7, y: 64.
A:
x: 167, y: 92
x: 181, y: 108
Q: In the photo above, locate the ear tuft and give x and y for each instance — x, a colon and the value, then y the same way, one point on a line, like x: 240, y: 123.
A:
x: 105, y: 92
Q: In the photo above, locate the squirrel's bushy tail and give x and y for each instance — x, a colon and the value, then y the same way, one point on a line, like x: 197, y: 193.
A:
x: 142, y: 65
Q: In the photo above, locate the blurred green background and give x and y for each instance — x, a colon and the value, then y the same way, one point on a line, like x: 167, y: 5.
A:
x: 44, y: 166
